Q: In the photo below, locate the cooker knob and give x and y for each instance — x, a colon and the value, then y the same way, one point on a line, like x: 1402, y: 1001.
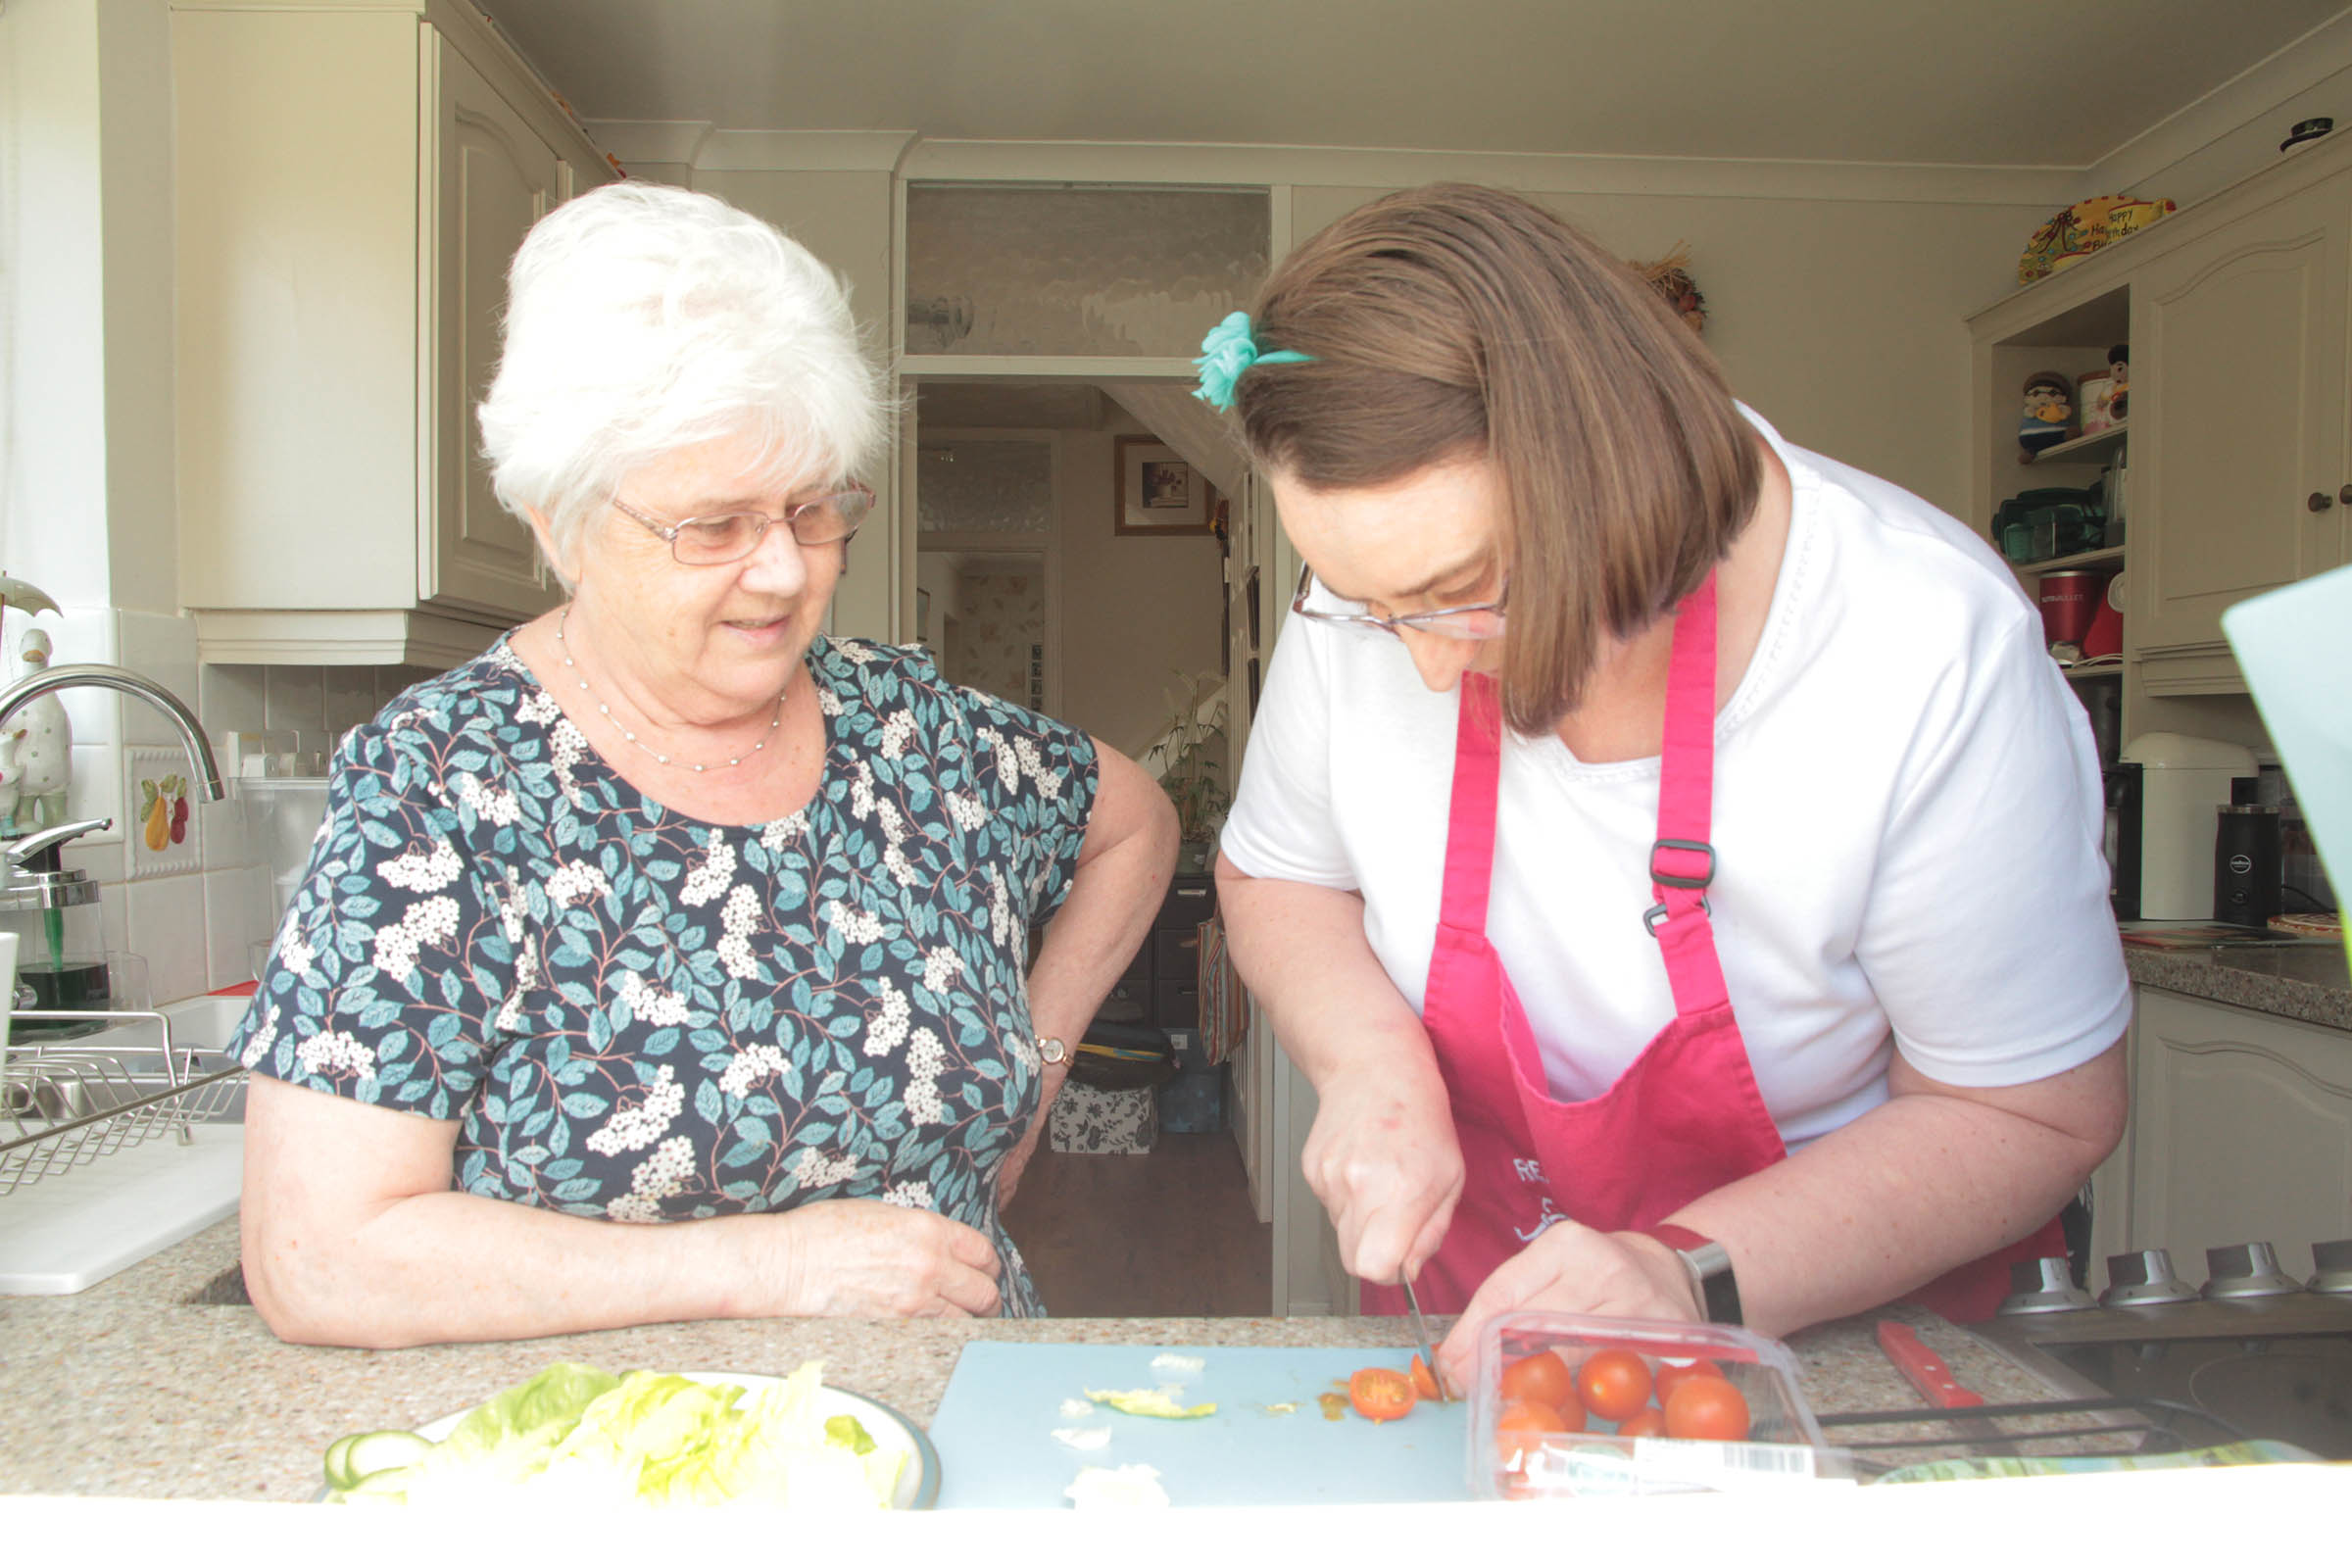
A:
x: 2332, y: 1261
x: 2143, y: 1279
x: 2043, y: 1284
x: 2246, y: 1269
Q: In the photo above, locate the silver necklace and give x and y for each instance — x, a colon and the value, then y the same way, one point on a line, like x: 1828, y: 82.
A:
x: 630, y: 735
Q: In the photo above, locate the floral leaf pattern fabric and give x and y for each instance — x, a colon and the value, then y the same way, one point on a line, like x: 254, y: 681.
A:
x: 636, y: 1016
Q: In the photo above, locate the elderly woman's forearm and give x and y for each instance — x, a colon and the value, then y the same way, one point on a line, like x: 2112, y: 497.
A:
x: 1122, y: 875
x: 447, y: 1266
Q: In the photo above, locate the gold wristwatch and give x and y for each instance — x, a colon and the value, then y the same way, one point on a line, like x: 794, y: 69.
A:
x: 1051, y: 1052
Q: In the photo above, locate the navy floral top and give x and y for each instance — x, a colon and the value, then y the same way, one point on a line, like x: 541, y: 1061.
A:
x: 638, y: 1016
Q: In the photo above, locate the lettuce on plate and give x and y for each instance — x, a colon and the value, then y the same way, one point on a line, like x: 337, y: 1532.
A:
x: 577, y: 1435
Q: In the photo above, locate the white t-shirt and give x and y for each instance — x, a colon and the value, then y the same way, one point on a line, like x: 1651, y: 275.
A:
x: 1907, y: 822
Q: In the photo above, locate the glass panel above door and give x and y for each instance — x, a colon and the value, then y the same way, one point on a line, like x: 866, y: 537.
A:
x: 984, y: 486
x: 1019, y: 269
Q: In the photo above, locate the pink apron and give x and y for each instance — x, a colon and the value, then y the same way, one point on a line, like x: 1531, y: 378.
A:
x: 1687, y: 1116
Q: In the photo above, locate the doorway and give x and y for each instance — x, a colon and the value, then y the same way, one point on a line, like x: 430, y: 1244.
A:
x: 1028, y: 586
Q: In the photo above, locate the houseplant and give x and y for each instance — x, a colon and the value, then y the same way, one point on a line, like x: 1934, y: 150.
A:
x: 1188, y: 768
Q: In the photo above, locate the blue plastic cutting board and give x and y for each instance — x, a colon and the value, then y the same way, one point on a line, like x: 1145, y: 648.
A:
x: 996, y: 1424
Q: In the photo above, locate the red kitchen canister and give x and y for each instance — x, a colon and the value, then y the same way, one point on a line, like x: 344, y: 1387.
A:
x: 2069, y: 601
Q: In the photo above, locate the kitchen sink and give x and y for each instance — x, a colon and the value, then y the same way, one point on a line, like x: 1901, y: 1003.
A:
x: 68, y: 1223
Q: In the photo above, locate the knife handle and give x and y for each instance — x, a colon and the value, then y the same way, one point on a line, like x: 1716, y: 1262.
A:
x: 1924, y: 1368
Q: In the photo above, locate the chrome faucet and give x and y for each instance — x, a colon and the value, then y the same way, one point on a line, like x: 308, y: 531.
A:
x: 113, y: 677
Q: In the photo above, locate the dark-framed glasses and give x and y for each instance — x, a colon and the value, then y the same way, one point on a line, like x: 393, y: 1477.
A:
x: 1469, y: 623
x: 716, y: 540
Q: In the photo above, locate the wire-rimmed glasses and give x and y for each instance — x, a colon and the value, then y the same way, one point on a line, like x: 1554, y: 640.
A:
x: 1470, y: 624
x: 715, y: 541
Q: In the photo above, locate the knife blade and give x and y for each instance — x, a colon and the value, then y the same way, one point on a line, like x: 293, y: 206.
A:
x: 1429, y: 1355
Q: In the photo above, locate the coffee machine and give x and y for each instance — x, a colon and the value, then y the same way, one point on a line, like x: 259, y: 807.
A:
x: 2166, y: 796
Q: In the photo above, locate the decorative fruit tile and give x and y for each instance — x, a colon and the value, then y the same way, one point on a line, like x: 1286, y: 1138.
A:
x: 160, y: 825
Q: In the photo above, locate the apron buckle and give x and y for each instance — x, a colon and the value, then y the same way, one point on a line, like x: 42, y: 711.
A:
x: 1668, y: 879
x: 1658, y: 914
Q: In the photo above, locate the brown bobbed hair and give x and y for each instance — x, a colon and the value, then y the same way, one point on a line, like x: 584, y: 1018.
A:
x: 1455, y: 322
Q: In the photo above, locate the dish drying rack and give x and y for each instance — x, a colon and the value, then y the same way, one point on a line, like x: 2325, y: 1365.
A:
x: 68, y: 1102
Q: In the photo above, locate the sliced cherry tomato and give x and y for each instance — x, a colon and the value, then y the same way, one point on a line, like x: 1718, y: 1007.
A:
x: 1672, y: 1372
x: 1425, y: 1382
x: 1706, y: 1408
x: 1381, y: 1393
x: 1647, y: 1422
x: 1613, y: 1384
x: 1542, y: 1377
x: 1524, y: 1424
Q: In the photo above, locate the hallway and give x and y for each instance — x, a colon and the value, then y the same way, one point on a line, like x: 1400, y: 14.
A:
x: 1167, y: 1234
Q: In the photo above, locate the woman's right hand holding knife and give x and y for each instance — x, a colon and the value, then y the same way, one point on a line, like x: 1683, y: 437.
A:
x: 1381, y: 1156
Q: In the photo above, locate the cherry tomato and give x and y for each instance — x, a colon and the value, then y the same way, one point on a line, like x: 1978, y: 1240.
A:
x: 1706, y: 1408
x: 1672, y: 1372
x: 1381, y: 1393
x: 1524, y: 1424
x: 1613, y: 1384
x: 1542, y: 1377
x: 1647, y: 1422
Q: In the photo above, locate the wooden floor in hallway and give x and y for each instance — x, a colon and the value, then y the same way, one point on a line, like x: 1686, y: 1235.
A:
x: 1167, y: 1234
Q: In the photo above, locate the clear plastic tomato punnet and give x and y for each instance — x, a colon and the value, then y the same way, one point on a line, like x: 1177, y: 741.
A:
x: 1782, y: 1444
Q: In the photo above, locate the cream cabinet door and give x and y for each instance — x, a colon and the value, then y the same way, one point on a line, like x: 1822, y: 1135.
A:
x: 2238, y: 350
x: 490, y: 177
x: 2241, y: 1131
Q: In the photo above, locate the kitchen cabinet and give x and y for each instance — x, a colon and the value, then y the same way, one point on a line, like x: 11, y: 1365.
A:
x: 2239, y: 475
x: 2238, y: 350
x: 352, y: 183
x: 2241, y: 1131
x: 1161, y: 986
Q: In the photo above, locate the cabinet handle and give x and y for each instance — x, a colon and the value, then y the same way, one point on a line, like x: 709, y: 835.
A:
x: 2345, y: 495
x: 2321, y: 500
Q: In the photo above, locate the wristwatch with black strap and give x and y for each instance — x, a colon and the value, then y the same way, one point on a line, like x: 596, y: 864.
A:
x: 1711, y: 1267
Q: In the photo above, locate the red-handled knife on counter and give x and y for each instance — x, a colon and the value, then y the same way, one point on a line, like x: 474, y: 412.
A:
x: 1924, y: 1368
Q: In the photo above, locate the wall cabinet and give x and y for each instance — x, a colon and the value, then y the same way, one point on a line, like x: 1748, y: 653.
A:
x: 2241, y: 1131
x: 2238, y: 396
x: 352, y: 183
x: 2240, y: 426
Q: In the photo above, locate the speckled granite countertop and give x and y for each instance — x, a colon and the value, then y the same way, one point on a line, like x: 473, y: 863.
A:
x: 130, y: 1390
x: 2308, y: 981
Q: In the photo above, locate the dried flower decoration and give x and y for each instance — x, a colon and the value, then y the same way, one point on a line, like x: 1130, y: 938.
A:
x: 1671, y: 277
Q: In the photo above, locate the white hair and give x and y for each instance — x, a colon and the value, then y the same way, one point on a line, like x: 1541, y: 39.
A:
x: 641, y: 319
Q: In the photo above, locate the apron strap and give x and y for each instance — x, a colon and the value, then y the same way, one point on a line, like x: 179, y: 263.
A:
x: 1682, y: 863
x: 1470, y: 823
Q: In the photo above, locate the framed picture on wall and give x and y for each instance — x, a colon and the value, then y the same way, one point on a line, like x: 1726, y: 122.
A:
x: 1158, y: 492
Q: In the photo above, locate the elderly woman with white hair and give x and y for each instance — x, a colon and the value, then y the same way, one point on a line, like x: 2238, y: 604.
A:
x: 666, y: 962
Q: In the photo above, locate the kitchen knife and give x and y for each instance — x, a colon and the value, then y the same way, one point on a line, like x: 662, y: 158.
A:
x: 1924, y: 1368
x: 1429, y: 1357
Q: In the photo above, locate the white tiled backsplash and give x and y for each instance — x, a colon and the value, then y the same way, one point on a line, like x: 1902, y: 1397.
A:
x: 194, y: 928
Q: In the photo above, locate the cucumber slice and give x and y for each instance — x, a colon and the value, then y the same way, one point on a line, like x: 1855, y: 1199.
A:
x: 337, y: 1464
x: 372, y: 1453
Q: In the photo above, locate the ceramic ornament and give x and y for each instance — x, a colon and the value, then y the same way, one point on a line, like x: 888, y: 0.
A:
x: 44, y: 746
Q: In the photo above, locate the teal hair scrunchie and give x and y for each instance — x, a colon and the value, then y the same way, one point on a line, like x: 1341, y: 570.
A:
x: 1227, y: 351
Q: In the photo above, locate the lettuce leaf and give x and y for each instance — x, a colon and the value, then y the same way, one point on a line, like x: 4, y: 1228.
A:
x: 578, y: 1434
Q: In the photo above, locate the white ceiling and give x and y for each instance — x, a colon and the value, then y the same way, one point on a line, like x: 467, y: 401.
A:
x: 2021, y: 84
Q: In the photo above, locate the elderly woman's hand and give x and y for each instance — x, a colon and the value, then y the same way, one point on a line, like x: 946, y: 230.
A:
x: 858, y: 1257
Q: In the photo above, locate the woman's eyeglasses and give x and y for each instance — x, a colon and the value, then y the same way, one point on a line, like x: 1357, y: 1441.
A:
x: 715, y: 541
x: 1470, y: 624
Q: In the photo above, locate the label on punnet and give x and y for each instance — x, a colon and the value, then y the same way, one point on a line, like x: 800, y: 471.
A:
x: 1654, y: 1465
x: 1724, y: 1467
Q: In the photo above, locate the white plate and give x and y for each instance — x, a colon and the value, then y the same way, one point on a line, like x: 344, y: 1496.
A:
x: 918, y: 1476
